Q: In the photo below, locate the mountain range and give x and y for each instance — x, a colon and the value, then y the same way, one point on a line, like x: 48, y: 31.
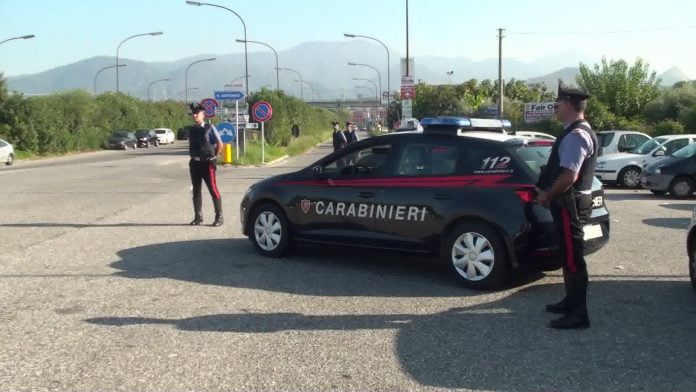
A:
x: 323, y: 65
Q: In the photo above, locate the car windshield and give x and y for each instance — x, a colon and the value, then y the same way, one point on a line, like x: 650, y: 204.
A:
x: 120, y: 134
x: 648, y: 146
x: 141, y: 133
x: 686, y: 152
x: 533, y: 156
x: 605, y: 138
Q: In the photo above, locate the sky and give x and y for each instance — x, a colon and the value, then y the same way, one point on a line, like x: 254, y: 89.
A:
x: 663, y: 33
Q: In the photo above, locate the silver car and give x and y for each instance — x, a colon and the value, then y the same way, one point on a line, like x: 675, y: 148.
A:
x: 6, y: 152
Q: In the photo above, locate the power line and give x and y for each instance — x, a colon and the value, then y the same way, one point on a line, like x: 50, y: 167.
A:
x: 651, y: 30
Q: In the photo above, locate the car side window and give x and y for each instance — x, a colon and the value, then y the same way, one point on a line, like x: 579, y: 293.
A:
x: 623, y: 141
x: 367, y: 162
x: 2, y: 144
x: 484, y: 158
x: 638, y: 139
x: 675, y: 145
x: 427, y: 159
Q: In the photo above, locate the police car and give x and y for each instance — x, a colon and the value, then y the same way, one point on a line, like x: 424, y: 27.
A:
x: 691, y: 249
x: 462, y: 189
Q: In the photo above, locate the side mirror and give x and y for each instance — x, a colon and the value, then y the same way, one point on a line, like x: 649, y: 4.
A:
x: 316, y: 170
x: 659, y: 153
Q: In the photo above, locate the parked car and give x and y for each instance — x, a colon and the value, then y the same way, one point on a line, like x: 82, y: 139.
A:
x: 675, y: 173
x: 615, y: 141
x: 463, y: 192
x: 6, y: 152
x: 691, y: 249
x: 122, y: 140
x: 409, y: 124
x: 165, y: 135
x: 146, y: 138
x: 534, y: 135
x: 625, y: 169
x: 182, y: 134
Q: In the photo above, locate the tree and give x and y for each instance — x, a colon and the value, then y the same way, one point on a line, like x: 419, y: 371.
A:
x: 624, y: 90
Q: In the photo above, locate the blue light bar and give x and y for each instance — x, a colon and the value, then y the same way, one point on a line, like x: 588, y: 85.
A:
x: 457, y: 121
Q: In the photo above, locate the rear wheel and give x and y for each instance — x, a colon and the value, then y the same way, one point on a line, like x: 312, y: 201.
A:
x: 476, y: 256
x: 269, y: 232
x: 629, y: 177
x: 10, y: 160
x: 681, y: 188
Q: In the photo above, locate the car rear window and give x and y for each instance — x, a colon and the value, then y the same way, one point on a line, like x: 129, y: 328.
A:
x: 532, y: 157
x: 161, y: 131
x: 605, y: 138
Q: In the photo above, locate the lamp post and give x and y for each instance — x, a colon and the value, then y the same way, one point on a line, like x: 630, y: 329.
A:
x: 29, y: 36
x: 119, y: 47
x: 449, y: 73
x: 246, y: 56
x: 94, y: 88
x: 187, y: 69
x: 231, y: 84
x: 276, y: 58
x: 301, y: 80
x: 150, y: 86
x: 388, y: 63
x: 311, y: 88
x: 379, y: 75
x: 368, y: 88
x: 373, y: 83
x: 186, y: 90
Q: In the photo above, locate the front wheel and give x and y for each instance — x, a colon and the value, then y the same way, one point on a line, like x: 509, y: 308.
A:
x: 270, y: 233
x: 476, y: 256
x: 10, y: 160
x: 629, y: 177
x: 681, y: 188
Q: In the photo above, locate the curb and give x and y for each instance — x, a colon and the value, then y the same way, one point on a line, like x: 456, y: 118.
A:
x: 277, y: 160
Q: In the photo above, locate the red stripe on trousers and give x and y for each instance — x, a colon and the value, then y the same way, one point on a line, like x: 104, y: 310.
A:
x: 213, y: 181
x: 568, y: 237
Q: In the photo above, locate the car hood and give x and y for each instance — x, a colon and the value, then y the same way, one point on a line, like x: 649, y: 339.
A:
x: 664, y: 162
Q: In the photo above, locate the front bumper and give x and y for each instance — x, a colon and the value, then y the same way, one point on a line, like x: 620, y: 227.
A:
x: 658, y: 182
x: 606, y: 174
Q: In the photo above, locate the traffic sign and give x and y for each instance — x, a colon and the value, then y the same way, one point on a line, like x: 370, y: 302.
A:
x: 252, y: 126
x: 408, y: 88
x: 209, y: 105
x: 229, y: 95
x: 261, y: 111
x: 228, y: 133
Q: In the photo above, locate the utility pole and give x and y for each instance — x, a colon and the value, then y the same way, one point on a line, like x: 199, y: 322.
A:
x: 408, y: 73
x: 500, y: 72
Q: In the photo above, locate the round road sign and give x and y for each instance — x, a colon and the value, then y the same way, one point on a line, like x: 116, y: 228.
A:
x: 228, y: 132
x: 261, y: 111
x: 210, y: 105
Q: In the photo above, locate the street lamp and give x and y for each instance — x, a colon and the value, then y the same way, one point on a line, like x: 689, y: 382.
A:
x: 20, y: 37
x: 187, y: 69
x: 449, y: 73
x: 373, y: 83
x: 368, y: 88
x: 119, y: 47
x: 156, y: 81
x: 274, y: 52
x: 246, y: 57
x: 379, y: 75
x: 186, y: 90
x: 388, y: 64
x: 311, y: 88
x: 231, y: 84
x: 94, y: 88
x: 301, y: 80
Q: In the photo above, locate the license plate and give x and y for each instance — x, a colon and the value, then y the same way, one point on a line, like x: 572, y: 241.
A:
x: 592, y: 232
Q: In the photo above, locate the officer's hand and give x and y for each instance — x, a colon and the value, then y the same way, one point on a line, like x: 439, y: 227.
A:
x: 543, y: 199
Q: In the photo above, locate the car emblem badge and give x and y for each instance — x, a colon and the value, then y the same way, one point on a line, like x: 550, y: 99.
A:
x: 305, y: 204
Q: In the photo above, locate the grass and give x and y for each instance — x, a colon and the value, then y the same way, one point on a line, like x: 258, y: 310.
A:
x: 252, y: 155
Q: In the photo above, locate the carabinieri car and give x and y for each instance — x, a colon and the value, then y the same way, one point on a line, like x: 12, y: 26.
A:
x: 462, y: 189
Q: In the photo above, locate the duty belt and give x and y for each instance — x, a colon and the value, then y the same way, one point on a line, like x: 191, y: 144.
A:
x: 199, y: 159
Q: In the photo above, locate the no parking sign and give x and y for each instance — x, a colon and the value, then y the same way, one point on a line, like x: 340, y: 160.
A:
x: 210, y: 105
x: 262, y: 111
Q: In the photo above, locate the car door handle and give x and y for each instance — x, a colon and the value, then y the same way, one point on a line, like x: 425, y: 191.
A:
x: 366, y: 195
x: 442, y: 196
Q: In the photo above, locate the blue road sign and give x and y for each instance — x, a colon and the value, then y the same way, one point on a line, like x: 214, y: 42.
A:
x: 228, y: 133
x: 229, y: 95
x: 261, y: 111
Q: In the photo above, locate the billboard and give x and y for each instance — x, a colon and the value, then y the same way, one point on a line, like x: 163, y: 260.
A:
x: 538, y: 111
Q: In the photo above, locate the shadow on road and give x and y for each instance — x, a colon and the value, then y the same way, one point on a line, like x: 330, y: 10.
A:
x: 627, y: 194
x: 679, y: 207
x: 642, y: 339
x: 311, y: 270
x: 670, y: 223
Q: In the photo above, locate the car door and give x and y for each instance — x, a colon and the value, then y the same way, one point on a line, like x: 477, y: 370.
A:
x: 4, y: 151
x: 336, y: 203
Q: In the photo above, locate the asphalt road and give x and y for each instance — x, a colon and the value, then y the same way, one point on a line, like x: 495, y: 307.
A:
x: 105, y: 287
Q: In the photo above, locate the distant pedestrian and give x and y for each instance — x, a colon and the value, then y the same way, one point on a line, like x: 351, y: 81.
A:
x: 339, y: 139
x: 295, y: 131
x: 204, y: 147
x: 351, y: 133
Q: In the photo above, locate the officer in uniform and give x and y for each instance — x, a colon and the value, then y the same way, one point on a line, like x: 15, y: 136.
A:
x: 564, y: 186
x: 339, y: 138
x: 204, y: 147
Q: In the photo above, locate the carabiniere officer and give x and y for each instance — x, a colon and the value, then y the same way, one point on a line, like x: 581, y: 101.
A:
x: 204, y: 147
x: 565, y: 187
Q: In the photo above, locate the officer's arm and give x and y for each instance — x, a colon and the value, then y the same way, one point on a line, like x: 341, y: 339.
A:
x: 218, y: 141
x: 573, y: 151
x: 563, y: 183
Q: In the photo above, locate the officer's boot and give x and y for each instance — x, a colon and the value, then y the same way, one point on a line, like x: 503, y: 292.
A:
x: 198, y: 215
x: 561, y: 307
x: 576, y: 317
x: 217, y: 203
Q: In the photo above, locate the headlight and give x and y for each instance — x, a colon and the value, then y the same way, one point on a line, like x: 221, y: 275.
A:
x: 658, y: 170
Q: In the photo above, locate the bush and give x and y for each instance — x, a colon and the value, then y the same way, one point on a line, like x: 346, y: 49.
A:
x: 668, y: 127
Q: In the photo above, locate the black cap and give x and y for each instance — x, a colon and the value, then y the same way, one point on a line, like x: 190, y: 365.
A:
x: 571, y: 94
x: 349, y: 123
x: 196, y: 107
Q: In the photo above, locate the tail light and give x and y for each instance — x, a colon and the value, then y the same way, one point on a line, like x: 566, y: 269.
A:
x: 526, y: 195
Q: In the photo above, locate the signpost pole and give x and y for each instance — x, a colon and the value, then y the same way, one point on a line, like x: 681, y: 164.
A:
x: 263, y: 144
x: 236, y: 139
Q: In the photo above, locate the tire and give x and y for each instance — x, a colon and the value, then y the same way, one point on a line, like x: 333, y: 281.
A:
x: 10, y: 160
x: 659, y: 193
x: 476, y: 256
x: 270, y: 231
x: 681, y: 188
x: 629, y: 177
